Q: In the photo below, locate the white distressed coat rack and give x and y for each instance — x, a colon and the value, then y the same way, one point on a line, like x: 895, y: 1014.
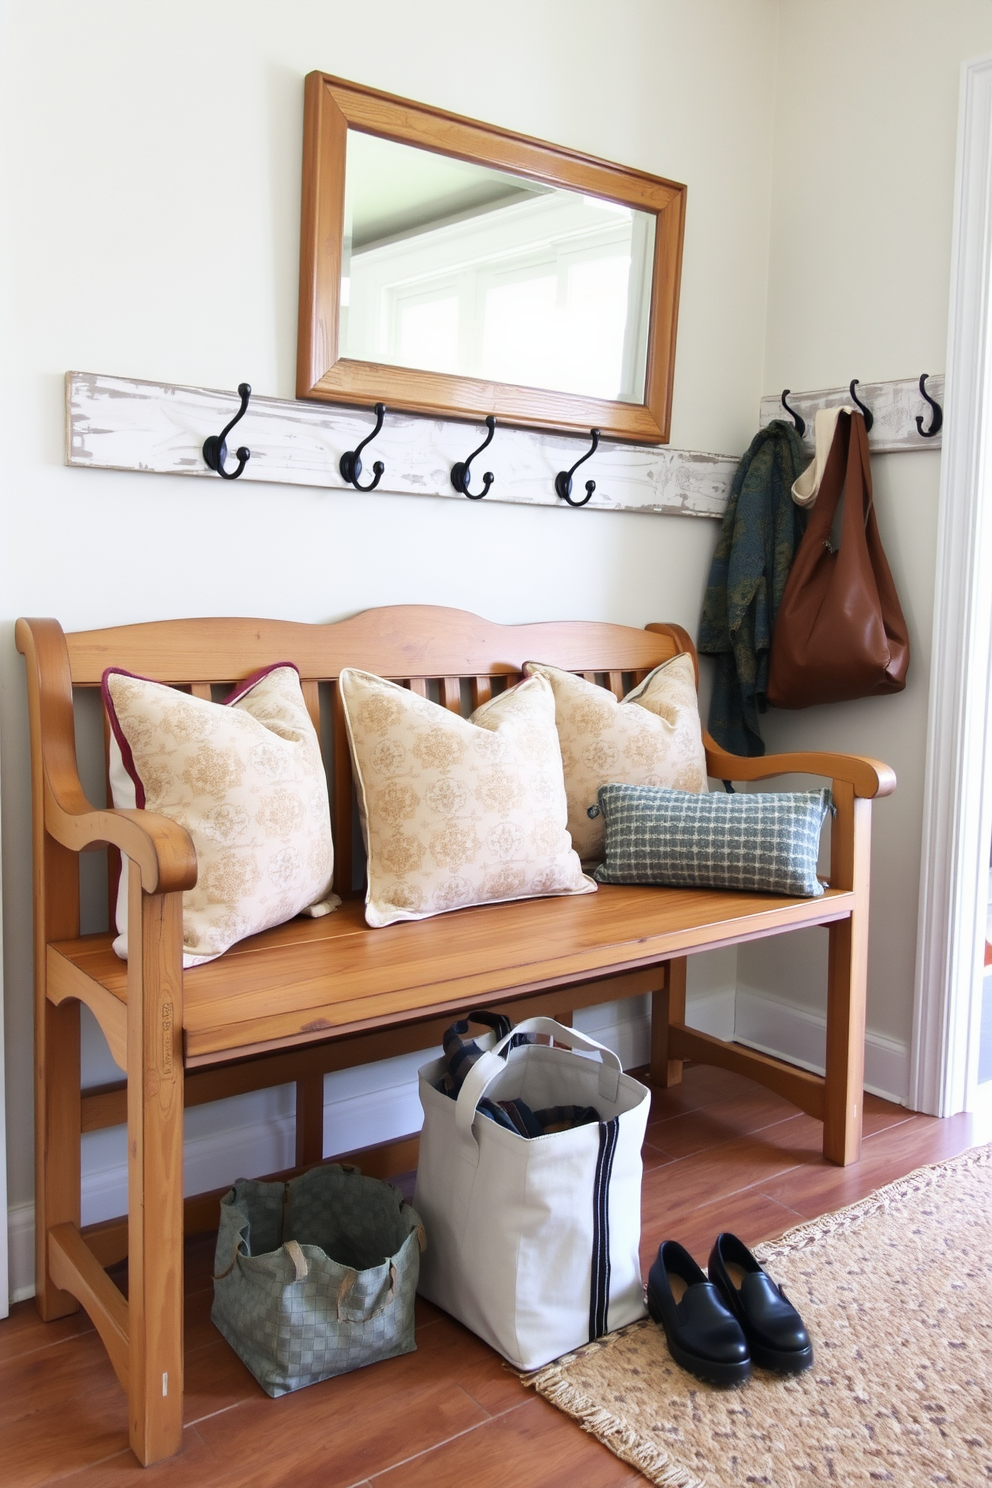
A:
x: 895, y: 406
x: 120, y: 423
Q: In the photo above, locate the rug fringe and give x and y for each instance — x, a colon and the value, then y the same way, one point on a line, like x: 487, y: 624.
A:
x: 840, y: 1219
x: 621, y: 1439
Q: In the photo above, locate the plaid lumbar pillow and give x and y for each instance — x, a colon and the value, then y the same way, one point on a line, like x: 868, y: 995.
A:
x: 766, y: 841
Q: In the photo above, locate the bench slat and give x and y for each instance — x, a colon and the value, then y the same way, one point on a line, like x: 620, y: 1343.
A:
x: 341, y: 797
x: 315, y: 978
x: 311, y: 696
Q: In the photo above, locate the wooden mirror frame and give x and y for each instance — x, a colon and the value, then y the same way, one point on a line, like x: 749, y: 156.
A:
x: 331, y: 108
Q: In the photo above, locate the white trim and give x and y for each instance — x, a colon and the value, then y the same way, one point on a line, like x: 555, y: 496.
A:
x: 4, y: 1246
x: 799, y: 1035
x: 956, y: 811
x: 20, y: 1243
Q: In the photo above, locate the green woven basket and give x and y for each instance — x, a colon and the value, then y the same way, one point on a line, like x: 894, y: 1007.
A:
x: 316, y: 1276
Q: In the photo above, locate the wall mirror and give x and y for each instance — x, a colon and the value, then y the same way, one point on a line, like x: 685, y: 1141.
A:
x: 450, y: 267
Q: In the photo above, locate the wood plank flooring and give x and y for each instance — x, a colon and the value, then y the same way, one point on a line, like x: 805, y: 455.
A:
x: 721, y: 1153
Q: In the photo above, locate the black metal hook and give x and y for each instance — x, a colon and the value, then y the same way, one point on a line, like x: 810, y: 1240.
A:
x: 796, y: 418
x: 563, y: 480
x: 461, y: 473
x: 350, y: 464
x: 215, y: 445
x: 938, y: 412
x: 869, y: 416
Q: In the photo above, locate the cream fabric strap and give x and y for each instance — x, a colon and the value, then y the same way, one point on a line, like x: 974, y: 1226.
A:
x: 806, y: 489
x: 297, y: 1257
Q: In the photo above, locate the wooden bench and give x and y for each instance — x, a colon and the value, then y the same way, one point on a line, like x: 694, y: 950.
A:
x: 318, y: 995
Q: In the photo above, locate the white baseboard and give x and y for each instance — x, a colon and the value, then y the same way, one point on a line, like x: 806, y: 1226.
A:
x: 775, y: 1027
x: 20, y: 1251
x: 713, y: 1013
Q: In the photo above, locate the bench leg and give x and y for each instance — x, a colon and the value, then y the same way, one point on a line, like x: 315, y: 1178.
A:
x: 845, y: 1066
x: 57, y: 1139
x: 309, y: 1120
x: 847, y: 975
x: 667, y: 1007
x: 155, y: 1183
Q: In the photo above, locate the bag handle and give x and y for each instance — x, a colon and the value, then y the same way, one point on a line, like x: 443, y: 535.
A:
x: 344, y: 1291
x: 239, y: 1241
x: 485, y: 1070
x: 299, y: 1260
x: 806, y: 488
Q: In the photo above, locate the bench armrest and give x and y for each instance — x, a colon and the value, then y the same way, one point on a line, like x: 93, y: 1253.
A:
x: 161, y: 848
x: 868, y: 777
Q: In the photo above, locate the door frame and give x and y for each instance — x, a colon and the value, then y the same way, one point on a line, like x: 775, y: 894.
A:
x: 957, y: 808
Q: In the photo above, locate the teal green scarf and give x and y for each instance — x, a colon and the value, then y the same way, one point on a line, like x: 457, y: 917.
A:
x: 761, y: 531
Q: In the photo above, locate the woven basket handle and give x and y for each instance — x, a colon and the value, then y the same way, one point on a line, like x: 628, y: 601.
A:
x: 219, y: 1275
x: 299, y: 1260
x: 345, y: 1290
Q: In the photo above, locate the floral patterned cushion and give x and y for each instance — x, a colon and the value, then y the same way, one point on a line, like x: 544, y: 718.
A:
x: 457, y: 811
x: 657, y: 741
x: 246, y: 780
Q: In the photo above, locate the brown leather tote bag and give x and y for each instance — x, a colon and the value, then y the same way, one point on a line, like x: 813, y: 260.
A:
x: 840, y: 631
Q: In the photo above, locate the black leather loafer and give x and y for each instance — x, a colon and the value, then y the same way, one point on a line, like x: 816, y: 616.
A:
x: 703, y: 1336
x: 774, y: 1330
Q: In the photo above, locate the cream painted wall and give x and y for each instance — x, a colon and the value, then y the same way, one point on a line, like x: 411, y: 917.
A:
x: 865, y: 130
x: 151, y: 176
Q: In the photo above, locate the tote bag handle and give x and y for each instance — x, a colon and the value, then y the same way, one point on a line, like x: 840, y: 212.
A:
x: 485, y: 1070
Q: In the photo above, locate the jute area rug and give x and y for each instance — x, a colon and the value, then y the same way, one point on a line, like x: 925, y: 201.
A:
x: 896, y: 1292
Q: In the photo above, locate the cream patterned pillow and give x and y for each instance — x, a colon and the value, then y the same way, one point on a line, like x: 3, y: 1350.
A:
x: 652, y: 738
x: 246, y: 780
x: 457, y: 811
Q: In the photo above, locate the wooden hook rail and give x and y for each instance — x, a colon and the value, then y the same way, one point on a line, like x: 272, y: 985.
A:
x: 119, y: 423
x: 895, y: 405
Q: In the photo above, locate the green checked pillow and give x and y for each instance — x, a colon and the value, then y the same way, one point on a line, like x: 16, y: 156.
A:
x: 767, y: 841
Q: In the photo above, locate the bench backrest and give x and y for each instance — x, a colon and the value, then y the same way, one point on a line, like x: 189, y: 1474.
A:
x: 451, y: 656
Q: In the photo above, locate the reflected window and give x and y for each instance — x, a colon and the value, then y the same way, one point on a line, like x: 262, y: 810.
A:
x: 457, y: 268
x: 427, y: 332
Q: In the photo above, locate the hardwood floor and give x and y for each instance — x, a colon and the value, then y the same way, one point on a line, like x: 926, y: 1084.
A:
x: 721, y: 1153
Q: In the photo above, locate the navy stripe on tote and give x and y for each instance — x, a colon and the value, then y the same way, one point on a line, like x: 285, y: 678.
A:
x: 599, y: 1290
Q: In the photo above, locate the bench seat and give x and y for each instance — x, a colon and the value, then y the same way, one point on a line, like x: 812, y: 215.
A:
x: 311, y: 980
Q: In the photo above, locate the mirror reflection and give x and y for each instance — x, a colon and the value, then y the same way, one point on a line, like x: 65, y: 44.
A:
x: 458, y: 268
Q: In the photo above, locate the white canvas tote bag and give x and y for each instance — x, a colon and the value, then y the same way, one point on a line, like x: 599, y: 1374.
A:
x: 533, y: 1242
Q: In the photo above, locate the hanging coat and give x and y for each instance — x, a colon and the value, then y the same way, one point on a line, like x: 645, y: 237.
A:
x: 761, y: 530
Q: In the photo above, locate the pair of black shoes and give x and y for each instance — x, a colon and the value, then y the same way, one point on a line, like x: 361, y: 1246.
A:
x: 717, y: 1326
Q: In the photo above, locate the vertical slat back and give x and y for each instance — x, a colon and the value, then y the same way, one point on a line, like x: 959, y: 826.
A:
x: 311, y: 696
x: 113, y: 853
x: 342, y: 796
